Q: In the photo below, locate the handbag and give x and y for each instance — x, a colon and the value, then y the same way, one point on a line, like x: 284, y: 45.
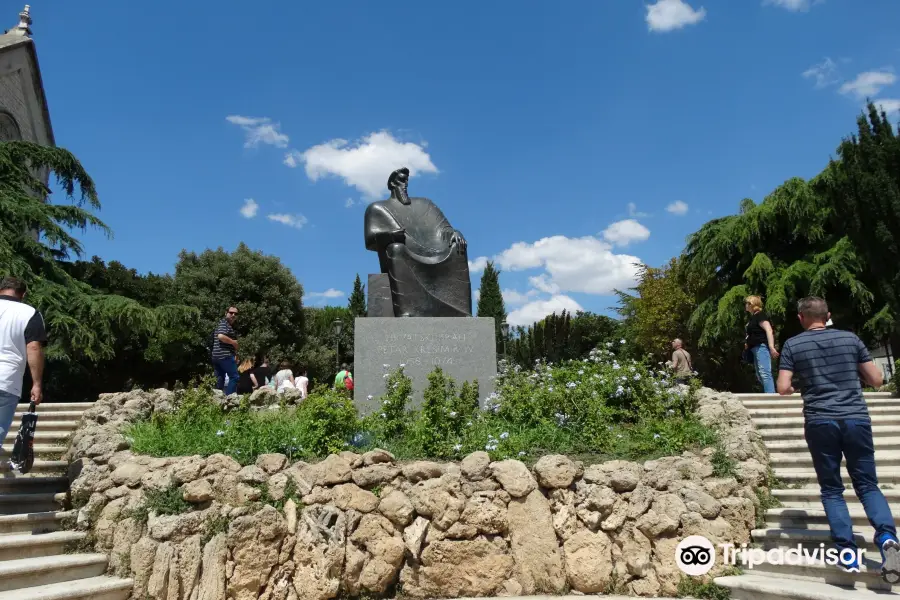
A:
x: 23, y: 451
x: 747, y: 357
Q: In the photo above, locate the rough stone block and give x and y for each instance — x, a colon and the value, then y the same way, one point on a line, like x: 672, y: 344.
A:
x: 464, y: 347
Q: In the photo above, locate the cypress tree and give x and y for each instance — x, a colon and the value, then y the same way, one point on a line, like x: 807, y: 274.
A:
x: 490, y: 301
x: 357, y: 303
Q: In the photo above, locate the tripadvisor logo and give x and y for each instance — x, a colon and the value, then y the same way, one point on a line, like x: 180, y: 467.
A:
x: 695, y: 555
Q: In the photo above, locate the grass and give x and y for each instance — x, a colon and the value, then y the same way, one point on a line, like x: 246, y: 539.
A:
x: 707, y: 590
x: 167, y: 501
x: 290, y: 493
x: 213, y: 527
x: 723, y: 465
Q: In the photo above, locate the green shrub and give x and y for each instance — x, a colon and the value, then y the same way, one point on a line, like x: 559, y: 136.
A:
x: 599, y: 408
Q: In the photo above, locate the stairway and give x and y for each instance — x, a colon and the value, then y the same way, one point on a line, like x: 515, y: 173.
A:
x: 39, y: 558
x: 800, y: 518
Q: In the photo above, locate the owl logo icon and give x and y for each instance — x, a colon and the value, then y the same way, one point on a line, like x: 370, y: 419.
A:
x: 695, y: 555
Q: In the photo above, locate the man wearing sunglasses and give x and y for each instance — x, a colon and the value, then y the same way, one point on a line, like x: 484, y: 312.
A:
x: 224, y: 352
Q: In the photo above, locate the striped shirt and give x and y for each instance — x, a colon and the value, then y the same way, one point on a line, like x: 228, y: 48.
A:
x: 220, y: 349
x: 826, y: 361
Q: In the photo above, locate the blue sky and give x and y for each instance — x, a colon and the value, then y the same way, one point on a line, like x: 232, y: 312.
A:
x: 565, y: 140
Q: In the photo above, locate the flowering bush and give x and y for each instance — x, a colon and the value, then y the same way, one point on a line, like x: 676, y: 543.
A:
x: 601, y: 407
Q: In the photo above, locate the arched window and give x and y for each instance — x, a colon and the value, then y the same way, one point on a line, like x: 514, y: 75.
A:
x: 9, y: 129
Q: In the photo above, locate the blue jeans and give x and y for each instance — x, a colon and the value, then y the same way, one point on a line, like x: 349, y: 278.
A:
x: 225, y: 366
x: 828, y: 441
x: 8, y: 403
x: 763, y: 362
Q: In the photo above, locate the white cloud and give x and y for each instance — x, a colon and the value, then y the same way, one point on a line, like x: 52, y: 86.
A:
x: 668, y: 15
x: 888, y: 105
x: 678, y: 208
x: 542, y: 283
x: 791, y: 5
x: 584, y: 264
x: 625, y: 232
x: 633, y: 211
x: 250, y: 208
x: 297, y: 221
x: 329, y: 293
x: 478, y: 265
x: 513, y: 297
x: 537, y: 310
x: 869, y: 83
x: 365, y: 164
x: 259, y: 130
x: 823, y: 73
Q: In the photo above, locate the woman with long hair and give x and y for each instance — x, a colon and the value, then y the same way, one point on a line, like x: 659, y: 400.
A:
x: 760, y: 342
x: 245, y: 383
x: 284, y: 378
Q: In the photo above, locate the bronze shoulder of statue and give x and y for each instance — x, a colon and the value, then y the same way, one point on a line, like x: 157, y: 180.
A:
x: 423, y: 283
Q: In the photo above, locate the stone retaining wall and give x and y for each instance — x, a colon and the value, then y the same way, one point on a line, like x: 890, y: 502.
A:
x: 356, y: 525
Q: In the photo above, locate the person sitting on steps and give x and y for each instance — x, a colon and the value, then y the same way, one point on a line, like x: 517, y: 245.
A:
x: 829, y: 364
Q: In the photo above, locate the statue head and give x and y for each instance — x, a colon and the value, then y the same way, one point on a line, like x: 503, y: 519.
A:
x: 397, y: 183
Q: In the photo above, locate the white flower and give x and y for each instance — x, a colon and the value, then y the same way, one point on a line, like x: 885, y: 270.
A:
x: 402, y: 365
x: 571, y: 385
x: 469, y: 424
x: 637, y: 376
x: 621, y: 341
x: 457, y: 447
x: 386, y: 366
x: 383, y: 416
x: 522, y: 453
x: 220, y: 433
x: 453, y: 413
x: 609, y: 344
x: 655, y: 436
x: 581, y: 371
x: 386, y: 375
x: 550, y: 389
x: 504, y: 435
x: 369, y: 397
x: 616, y: 366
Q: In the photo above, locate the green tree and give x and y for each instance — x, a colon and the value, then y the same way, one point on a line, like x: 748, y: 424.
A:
x: 268, y: 297
x: 563, y: 336
x: 35, y: 242
x: 490, y: 301
x: 318, y: 353
x: 860, y: 194
x: 357, y: 303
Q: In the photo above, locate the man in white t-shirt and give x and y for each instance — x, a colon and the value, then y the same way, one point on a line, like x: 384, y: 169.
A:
x: 22, y: 340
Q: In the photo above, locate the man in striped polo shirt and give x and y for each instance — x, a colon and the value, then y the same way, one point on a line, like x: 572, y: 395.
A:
x: 829, y: 364
x: 224, y: 351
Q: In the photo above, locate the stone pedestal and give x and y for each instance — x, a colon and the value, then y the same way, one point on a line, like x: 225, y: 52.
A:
x: 464, y: 347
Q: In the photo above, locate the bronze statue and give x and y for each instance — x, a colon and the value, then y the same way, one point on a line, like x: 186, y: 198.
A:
x: 423, y: 255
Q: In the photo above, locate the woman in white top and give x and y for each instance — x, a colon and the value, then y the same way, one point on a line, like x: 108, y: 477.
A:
x: 302, y: 383
x: 284, y: 378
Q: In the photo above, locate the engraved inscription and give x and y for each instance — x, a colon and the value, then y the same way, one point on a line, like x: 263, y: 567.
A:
x: 437, y: 349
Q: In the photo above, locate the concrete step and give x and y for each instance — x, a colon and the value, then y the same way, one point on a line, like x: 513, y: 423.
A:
x: 791, y: 401
x: 883, y: 458
x: 48, y: 407
x: 743, y: 397
x: 876, y: 412
x: 40, y: 466
x: 56, y: 416
x: 37, y: 484
x: 776, y: 537
x: 44, y: 570
x: 810, y: 497
x: 66, y: 426
x: 13, y: 504
x: 34, y: 522
x: 888, y: 475
x: 27, y: 545
x: 799, y: 445
x: 57, y: 438
x: 795, y: 433
x: 759, y: 586
x: 91, y: 588
x: 814, y: 519
x: 797, y: 422
x: 869, y: 576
